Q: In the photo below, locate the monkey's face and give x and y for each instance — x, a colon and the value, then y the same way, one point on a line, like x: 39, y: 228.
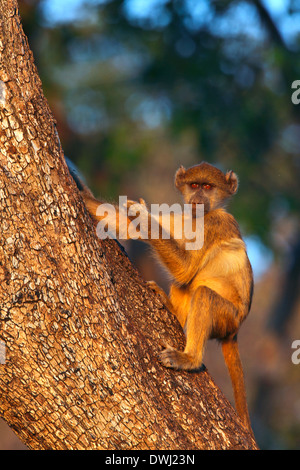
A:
x: 205, y: 184
x: 201, y: 193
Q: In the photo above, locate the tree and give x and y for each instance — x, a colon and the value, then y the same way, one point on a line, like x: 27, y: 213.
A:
x: 79, y: 326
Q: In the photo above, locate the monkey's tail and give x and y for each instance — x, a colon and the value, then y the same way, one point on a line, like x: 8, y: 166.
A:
x: 233, y: 362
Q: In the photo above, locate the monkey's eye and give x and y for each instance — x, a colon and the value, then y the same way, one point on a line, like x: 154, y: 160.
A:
x: 207, y: 186
x: 194, y: 185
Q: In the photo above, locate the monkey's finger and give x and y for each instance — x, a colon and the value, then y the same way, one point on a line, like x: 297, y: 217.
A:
x: 130, y: 203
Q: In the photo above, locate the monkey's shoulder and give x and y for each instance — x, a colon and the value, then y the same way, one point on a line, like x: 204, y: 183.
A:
x: 220, y: 225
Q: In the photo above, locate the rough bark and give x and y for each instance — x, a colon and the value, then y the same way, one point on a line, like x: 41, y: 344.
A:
x: 81, y: 329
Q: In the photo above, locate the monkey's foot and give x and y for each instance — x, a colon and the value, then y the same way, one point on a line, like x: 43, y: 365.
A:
x: 175, y: 359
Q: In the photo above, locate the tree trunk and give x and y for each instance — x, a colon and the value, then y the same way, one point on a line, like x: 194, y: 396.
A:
x: 79, y: 329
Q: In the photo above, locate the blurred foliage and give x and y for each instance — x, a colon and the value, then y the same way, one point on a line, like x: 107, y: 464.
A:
x: 212, y: 78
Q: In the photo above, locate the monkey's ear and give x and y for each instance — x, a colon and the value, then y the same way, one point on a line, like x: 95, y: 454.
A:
x: 179, y: 176
x: 232, y: 181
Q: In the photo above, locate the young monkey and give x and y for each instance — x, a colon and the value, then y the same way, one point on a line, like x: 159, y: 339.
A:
x: 212, y: 288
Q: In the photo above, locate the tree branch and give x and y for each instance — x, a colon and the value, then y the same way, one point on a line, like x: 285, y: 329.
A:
x: 80, y: 328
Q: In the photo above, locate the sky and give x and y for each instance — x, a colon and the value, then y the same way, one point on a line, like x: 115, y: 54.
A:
x: 59, y: 11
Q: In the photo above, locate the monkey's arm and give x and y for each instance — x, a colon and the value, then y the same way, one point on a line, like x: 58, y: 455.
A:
x: 177, y: 260
x: 180, y: 262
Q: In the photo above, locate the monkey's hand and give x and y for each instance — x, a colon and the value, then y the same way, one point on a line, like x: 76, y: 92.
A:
x: 134, y: 207
x: 141, y: 204
x: 138, y: 215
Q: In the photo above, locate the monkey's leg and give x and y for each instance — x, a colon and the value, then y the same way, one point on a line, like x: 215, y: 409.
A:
x: 197, y: 330
x: 209, y: 316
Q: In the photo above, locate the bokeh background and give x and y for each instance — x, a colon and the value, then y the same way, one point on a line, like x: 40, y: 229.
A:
x: 139, y: 87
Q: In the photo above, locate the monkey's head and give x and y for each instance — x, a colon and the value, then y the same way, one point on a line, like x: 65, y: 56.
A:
x: 206, y: 184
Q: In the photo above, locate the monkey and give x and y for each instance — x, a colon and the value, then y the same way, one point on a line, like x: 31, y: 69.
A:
x: 212, y: 287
